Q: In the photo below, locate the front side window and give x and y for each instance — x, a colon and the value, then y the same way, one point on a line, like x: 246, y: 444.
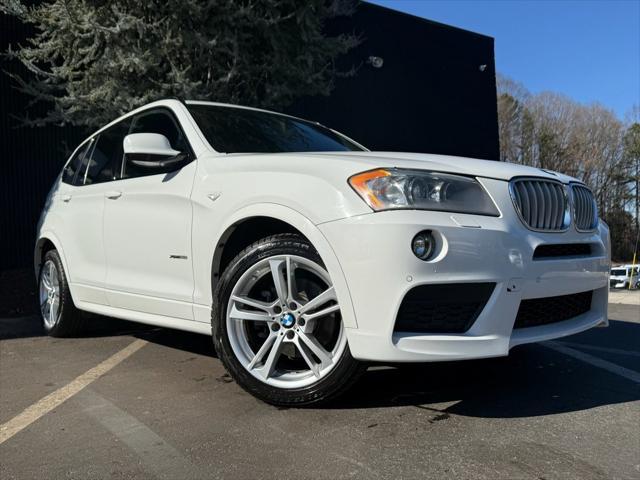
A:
x: 75, y: 164
x: 240, y: 130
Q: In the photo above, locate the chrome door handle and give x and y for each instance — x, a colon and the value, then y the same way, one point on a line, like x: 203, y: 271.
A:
x: 113, y: 194
x: 66, y: 198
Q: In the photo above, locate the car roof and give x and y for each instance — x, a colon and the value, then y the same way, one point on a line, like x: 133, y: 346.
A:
x: 244, y: 107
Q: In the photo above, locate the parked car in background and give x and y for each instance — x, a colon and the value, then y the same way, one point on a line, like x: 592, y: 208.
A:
x: 624, y: 275
x: 305, y: 255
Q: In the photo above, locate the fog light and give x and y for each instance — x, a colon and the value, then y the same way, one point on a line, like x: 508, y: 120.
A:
x: 423, y: 245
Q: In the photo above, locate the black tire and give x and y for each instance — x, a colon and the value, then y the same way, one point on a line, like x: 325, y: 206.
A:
x: 344, y: 373
x: 69, y: 321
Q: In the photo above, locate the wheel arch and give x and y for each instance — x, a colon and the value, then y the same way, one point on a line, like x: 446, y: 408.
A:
x: 242, y: 234
x: 48, y: 241
x: 251, y: 223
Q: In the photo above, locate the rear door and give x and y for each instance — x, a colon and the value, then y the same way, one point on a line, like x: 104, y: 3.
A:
x: 86, y: 179
x: 147, y: 232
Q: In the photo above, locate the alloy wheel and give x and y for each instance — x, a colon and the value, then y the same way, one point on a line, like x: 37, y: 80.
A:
x: 50, y: 294
x: 283, y: 322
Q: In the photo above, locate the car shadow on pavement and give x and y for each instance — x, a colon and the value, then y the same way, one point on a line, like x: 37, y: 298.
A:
x: 533, y: 380
x: 186, y: 341
x: 94, y: 326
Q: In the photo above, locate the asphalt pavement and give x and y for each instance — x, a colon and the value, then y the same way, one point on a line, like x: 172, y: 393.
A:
x: 128, y: 401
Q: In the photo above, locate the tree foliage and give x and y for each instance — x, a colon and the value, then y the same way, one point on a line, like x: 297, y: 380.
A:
x: 92, y: 61
x: 589, y: 142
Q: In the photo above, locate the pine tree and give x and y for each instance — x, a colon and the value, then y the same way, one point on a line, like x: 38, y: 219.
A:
x: 92, y: 61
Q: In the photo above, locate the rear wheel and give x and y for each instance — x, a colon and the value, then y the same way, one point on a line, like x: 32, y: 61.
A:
x: 60, y: 317
x: 277, y: 324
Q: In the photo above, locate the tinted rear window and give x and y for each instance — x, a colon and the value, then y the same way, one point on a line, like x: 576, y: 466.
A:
x: 75, y: 164
x: 238, y: 130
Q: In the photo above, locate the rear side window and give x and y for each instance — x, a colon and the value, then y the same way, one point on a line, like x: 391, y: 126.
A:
x: 104, y: 160
x: 75, y: 164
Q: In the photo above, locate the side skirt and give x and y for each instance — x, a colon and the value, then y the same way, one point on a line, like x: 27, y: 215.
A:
x: 146, y: 318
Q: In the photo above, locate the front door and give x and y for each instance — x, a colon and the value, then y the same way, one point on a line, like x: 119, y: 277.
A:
x: 147, y: 229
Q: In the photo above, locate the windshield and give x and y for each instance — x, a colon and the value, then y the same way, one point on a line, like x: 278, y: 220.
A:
x: 617, y: 272
x: 239, y: 130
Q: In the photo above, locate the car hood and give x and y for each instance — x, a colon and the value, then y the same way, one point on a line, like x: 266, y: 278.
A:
x: 293, y: 179
x: 349, y: 163
x: 445, y: 163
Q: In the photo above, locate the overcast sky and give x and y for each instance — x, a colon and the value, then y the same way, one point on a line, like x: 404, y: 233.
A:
x: 586, y: 49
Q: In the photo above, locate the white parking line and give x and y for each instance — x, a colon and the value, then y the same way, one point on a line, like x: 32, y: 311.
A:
x: 51, y: 401
x: 595, y: 361
x: 595, y: 348
x: 157, y: 456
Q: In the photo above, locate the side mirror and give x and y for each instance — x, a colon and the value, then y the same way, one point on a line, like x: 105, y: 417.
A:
x: 151, y: 150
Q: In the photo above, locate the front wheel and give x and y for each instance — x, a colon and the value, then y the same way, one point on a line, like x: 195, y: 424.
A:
x: 277, y: 324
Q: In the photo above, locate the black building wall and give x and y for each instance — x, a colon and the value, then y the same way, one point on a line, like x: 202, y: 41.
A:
x: 435, y: 92
x: 30, y: 158
x: 431, y: 95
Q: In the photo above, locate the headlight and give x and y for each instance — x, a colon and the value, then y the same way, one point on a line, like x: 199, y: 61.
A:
x: 415, y: 189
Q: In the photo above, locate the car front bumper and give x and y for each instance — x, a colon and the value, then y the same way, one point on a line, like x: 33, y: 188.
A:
x: 378, y: 264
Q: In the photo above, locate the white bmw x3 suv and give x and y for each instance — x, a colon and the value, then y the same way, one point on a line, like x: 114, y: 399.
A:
x: 305, y: 255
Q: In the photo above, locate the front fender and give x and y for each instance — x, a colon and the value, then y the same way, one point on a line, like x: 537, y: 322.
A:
x: 205, y: 248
